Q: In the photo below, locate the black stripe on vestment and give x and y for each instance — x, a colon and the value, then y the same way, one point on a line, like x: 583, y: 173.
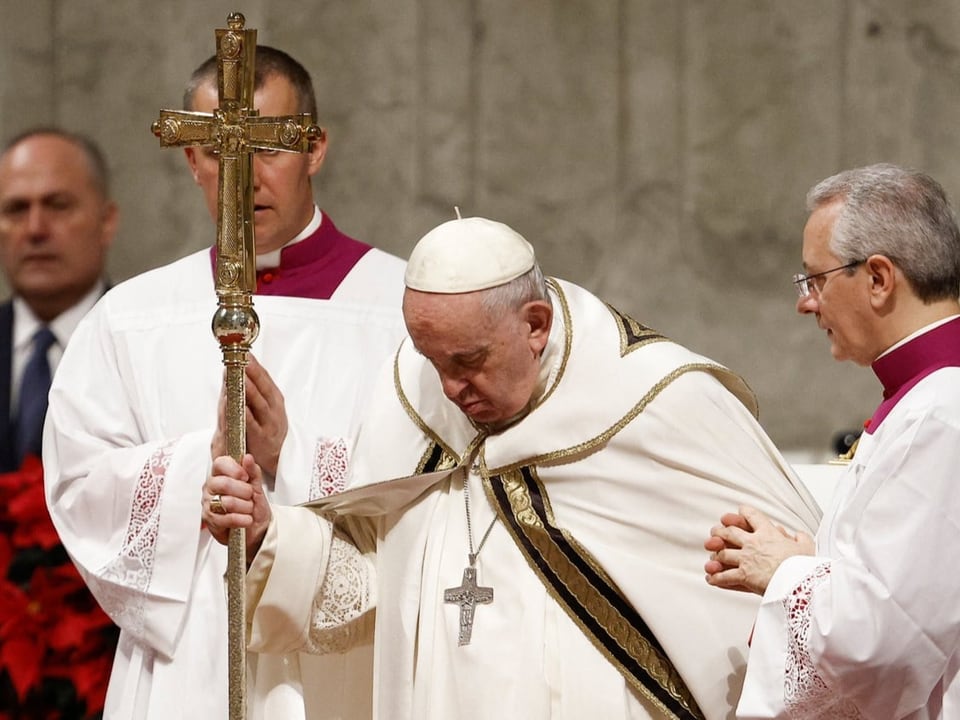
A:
x: 432, y: 462
x: 670, y: 691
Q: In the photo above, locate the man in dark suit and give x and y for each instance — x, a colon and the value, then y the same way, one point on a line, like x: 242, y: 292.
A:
x: 57, y: 222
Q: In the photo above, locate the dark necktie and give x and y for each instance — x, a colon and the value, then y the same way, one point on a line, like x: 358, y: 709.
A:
x: 34, y: 387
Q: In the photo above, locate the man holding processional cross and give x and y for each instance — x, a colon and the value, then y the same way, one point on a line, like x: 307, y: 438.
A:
x: 134, y: 407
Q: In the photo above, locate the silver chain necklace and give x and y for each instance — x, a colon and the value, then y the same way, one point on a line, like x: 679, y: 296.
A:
x: 468, y: 595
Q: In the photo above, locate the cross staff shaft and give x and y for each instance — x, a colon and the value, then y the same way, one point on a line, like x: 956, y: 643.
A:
x: 235, y: 131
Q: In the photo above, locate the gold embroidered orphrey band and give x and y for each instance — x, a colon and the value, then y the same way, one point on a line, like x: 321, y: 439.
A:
x: 578, y: 583
x: 591, y: 599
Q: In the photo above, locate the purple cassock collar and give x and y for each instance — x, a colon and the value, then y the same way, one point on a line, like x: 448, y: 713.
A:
x: 904, y: 367
x: 312, y: 268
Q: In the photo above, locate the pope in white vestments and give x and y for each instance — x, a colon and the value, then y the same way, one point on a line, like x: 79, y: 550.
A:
x: 540, y: 564
x: 132, y: 411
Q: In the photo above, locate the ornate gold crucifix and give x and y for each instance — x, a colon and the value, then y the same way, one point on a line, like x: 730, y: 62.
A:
x: 236, y: 131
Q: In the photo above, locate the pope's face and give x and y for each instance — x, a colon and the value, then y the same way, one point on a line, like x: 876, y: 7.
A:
x: 840, y: 300
x: 55, y: 223
x: 283, y: 196
x: 488, y: 363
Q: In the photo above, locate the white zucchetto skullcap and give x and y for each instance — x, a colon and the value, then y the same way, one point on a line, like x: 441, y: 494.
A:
x: 462, y: 256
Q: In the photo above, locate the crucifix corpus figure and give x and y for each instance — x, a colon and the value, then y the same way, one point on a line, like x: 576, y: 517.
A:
x: 468, y: 595
x: 236, y: 131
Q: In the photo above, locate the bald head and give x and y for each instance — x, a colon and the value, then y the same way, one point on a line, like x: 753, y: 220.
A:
x: 56, y: 221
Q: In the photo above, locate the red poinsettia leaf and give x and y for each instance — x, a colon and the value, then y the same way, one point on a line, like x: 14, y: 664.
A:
x: 13, y: 601
x: 50, y: 587
x: 50, y: 625
x: 29, y: 500
x: 11, y: 485
x: 64, y: 585
x: 29, y: 475
x: 90, y: 680
x: 30, y: 468
x: 95, y: 623
x: 75, y: 630
x: 6, y: 554
x: 22, y: 658
x: 31, y: 465
x: 99, y: 620
x: 18, y: 611
x: 33, y: 524
x: 68, y: 632
x: 36, y: 534
x: 67, y: 573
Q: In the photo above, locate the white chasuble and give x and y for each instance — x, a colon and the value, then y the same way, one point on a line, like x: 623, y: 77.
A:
x: 639, y: 446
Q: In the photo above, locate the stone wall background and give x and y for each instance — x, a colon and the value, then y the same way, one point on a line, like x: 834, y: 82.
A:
x: 655, y: 151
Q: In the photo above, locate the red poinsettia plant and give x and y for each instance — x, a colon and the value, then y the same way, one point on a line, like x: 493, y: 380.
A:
x: 56, y: 644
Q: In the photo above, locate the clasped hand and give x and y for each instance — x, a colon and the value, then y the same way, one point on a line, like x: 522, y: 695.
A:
x: 747, y: 548
x: 266, y: 418
x: 242, y: 503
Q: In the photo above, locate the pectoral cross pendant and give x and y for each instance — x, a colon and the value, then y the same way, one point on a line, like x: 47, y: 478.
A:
x: 468, y: 595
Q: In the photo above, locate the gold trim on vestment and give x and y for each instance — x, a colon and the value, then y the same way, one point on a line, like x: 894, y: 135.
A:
x: 593, y: 443
x: 483, y: 429
x: 415, y: 416
x: 590, y: 600
x: 444, y: 462
x: 567, y: 340
x: 847, y: 457
x: 717, y: 371
x: 633, y: 335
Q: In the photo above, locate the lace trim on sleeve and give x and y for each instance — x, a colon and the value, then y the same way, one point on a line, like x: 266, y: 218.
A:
x: 132, y: 569
x: 329, y: 468
x: 342, y: 614
x: 805, y: 693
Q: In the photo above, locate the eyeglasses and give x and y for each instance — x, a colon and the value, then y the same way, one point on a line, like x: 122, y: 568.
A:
x: 806, y: 284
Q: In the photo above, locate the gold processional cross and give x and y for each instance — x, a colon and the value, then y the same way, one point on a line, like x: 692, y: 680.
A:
x: 236, y: 131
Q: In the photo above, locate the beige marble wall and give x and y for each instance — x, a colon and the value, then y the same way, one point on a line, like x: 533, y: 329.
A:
x: 656, y: 151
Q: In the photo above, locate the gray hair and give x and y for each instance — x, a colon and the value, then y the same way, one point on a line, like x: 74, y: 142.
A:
x: 96, y: 162
x: 269, y: 62
x: 900, y: 213
x: 528, y: 287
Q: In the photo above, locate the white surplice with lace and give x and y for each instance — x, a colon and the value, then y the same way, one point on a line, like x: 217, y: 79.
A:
x: 872, y: 621
x: 127, y: 449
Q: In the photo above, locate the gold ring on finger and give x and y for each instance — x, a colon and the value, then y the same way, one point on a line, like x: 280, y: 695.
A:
x: 216, y: 506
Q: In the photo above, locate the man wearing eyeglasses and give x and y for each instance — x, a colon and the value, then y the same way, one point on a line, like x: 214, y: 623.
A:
x: 863, y: 620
